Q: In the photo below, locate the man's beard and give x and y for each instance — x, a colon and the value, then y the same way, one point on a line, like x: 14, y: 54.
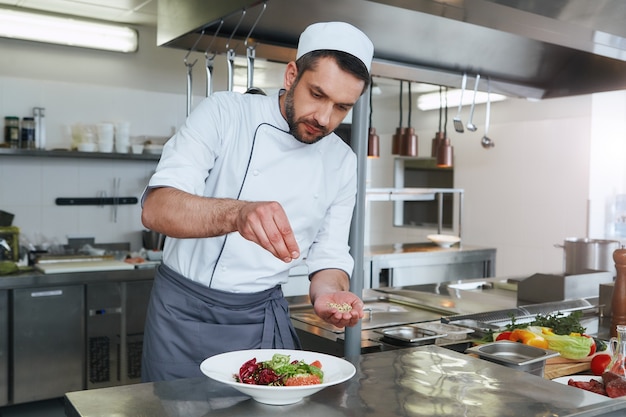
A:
x: 293, y: 124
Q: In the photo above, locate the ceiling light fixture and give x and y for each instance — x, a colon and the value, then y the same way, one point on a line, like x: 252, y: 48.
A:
x: 66, y: 31
x: 430, y: 101
x: 397, y: 138
x: 408, y: 145
x: 445, y: 153
x: 373, y: 140
x: 439, y: 135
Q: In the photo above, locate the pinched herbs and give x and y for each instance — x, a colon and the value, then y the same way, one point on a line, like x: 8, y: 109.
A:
x: 280, y: 371
x: 343, y: 307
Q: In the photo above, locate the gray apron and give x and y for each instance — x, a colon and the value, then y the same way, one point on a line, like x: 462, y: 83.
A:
x: 188, y: 322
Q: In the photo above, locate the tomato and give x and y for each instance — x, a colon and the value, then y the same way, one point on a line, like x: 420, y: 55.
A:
x: 599, y: 363
x: 317, y: 364
x: 593, y: 347
x: 304, y: 379
x: 504, y: 336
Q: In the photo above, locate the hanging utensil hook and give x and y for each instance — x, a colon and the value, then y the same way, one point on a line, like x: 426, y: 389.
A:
x: 255, y: 23
x: 230, y: 54
x: 243, y: 14
x: 219, y: 27
x: 192, y: 48
x: 209, y: 61
x: 189, y: 71
x: 250, y: 49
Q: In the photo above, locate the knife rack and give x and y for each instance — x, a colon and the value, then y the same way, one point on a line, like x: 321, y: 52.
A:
x: 95, y: 201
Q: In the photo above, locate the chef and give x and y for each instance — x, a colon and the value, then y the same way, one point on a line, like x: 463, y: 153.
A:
x: 248, y: 188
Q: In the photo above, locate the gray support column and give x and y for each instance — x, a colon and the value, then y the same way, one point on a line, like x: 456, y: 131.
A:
x: 358, y: 142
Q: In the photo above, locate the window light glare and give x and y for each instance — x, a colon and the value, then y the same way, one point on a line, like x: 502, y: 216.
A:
x: 430, y: 101
x: 66, y: 31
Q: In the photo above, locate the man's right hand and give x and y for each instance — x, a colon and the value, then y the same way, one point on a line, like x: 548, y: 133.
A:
x: 182, y: 215
x: 266, y: 224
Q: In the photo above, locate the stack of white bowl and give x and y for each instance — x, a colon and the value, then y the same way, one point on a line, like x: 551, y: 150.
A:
x: 122, y: 137
x: 105, y: 137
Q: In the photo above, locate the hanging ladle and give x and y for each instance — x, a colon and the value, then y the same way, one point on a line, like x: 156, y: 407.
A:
x: 458, y: 123
x: 485, y: 141
x: 470, y: 125
x: 209, y: 59
x: 189, y: 67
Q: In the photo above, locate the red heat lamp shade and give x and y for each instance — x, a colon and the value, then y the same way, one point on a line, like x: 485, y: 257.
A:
x: 445, y: 154
x: 373, y: 144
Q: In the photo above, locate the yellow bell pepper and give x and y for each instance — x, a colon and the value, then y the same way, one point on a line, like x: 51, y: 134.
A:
x: 528, y: 338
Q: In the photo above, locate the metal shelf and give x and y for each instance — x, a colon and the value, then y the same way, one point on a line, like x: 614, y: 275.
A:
x: 419, y: 194
x: 62, y: 153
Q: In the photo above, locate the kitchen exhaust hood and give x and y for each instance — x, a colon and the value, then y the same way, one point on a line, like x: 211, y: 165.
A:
x: 528, y: 48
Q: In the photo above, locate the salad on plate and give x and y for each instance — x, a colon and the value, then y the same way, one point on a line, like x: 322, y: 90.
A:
x: 280, y: 371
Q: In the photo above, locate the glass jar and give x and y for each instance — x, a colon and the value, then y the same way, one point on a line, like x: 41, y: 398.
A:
x: 11, y: 131
x: 27, y: 138
x: 617, y: 365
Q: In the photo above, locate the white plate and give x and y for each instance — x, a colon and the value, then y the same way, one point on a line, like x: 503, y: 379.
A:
x: 445, y: 241
x: 584, y: 378
x: 224, y: 366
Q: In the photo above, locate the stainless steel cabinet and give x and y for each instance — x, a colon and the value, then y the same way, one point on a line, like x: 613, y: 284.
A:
x: 423, y: 263
x: 48, y: 342
x: 4, y: 348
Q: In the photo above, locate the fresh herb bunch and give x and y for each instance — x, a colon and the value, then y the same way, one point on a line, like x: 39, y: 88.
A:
x: 559, y: 323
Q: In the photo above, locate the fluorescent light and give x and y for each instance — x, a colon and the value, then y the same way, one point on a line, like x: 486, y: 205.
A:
x: 66, y: 31
x: 430, y: 101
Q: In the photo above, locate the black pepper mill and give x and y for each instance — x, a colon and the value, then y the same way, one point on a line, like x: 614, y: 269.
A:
x: 618, y: 302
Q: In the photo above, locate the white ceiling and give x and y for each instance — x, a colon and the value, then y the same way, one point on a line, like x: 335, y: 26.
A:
x: 136, y: 12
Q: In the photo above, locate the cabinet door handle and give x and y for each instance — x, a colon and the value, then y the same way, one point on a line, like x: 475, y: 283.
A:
x: 50, y: 293
x: 105, y: 310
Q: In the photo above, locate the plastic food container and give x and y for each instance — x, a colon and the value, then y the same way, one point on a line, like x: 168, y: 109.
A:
x: 515, y: 355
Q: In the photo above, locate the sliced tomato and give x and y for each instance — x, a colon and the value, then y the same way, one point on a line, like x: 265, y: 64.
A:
x: 305, y: 379
x: 317, y: 364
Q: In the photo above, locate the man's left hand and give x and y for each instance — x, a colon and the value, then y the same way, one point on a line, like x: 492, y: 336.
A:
x: 340, y: 309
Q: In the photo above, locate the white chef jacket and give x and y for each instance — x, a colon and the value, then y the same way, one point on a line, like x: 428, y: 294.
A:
x: 238, y: 146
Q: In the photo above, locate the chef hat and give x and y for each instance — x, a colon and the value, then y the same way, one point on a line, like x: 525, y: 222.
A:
x: 337, y: 36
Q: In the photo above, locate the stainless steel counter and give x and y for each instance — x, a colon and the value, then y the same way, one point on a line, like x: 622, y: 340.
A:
x: 423, y: 381
x: 34, y: 278
x: 417, y: 263
x: 392, y: 306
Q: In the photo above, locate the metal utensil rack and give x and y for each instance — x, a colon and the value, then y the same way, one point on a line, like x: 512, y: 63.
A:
x: 420, y: 194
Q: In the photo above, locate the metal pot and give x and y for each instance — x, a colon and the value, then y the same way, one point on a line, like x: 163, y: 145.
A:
x: 584, y: 254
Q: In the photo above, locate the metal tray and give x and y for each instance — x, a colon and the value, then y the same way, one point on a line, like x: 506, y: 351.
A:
x: 410, y: 334
x: 512, y: 353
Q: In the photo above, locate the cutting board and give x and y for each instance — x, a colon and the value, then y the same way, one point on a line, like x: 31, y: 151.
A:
x: 556, y: 367
x: 84, y: 266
